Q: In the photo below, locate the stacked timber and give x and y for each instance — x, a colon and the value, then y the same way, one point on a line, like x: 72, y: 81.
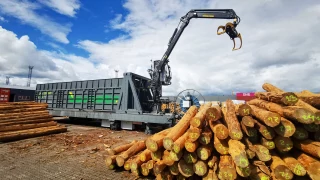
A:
x: 274, y: 136
x: 173, y: 106
x: 20, y: 120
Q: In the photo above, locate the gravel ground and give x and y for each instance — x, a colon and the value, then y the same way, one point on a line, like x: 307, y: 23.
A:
x: 77, y: 154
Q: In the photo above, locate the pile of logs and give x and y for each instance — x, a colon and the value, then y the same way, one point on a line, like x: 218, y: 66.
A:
x: 274, y: 136
x: 20, y: 120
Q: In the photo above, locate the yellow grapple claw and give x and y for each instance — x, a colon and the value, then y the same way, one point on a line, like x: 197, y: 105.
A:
x: 234, y: 44
x: 223, y: 30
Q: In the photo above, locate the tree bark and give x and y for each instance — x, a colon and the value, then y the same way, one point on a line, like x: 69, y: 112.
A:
x: 180, y: 128
x: 139, y: 146
x: 198, y: 120
x: 155, y: 142
x: 308, y: 146
x: 269, y: 118
x: 178, y: 145
x: 227, y: 168
x: 294, y: 165
x: 220, y: 145
x: 238, y: 153
x: 26, y: 126
x: 145, y: 155
x: 311, y: 165
x: 284, y: 98
x: 120, y: 148
x: 232, y: 122
x: 28, y: 133
x: 219, y: 129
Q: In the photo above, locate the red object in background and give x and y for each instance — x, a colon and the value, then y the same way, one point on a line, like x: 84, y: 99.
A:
x: 4, y: 95
x: 245, y: 96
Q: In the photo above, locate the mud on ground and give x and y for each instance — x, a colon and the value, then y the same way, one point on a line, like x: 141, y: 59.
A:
x: 76, y: 154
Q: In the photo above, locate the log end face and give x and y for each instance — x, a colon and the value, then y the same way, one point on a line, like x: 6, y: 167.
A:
x: 120, y: 161
x: 281, y: 172
x: 168, y: 143
x: 244, y: 110
x: 221, y: 131
x: 195, y: 122
x: 304, y: 116
x: 152, y: 145
x: 289, y: 99
x: 273, y: 119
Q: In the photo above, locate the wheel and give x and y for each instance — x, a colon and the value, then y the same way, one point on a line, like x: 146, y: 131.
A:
x: 186, y: 99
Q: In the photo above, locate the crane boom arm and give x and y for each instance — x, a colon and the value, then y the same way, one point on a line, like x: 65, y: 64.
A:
x: 159, y: 68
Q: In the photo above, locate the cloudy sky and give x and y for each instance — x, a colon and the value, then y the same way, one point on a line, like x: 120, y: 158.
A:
x: 69, y: 40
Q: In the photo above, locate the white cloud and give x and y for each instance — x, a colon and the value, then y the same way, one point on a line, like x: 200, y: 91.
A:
x: 2, y: 19
x: 279, y: 46
x: 65, y: 7
x: 26, y: 12
x: 16, y: 54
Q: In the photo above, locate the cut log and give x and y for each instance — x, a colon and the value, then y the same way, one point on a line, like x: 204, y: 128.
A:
x: 243, y: 110
x: 111, y: 161
x: 26, y: 126
x: 247, y: 121
x: 313, y: 100
x: 134, y: 149
x: 156, y: 156
x: 200, y: 168
x: 310, y: 164
x: 262, y: 167
x: 249, y: 131
x: 269, y: 118
x: 219, y: 129
x: 270, y: 88
x: 178, y: 145
x: 238, y: 153
x: 206, y: 136
x: 213, y: 113
x: 280, y: 169
x: 176, y: 156
x: 144, y: 170
x: 167, y: 159
x: 23, y: 110
x: 185, y: 169
x: 258, y: 171
x: 269, y: 144
x: 198, y: 120
x: 204, y: 152
x: 194, y: 133
x: 299, y: 114
x: 145, y: 155
x: 180, y: 128
x: 174, y: 170
x: 285, y: 129
x: 244, y: 172
x: 28, y: 133
x: 308, y: 146
x: 150, y: 164
x: 227, y: 168
x: 191, y: 146
x: 158, y: 167
x: 221, y: 146
x: 213, y: 162
x: 135, y: 163
x: 155, y: 142
x: 31, y: 117
x: 301, y: 133
x: 266, y: 131
x: 283, y: 144
x: 190, y: 157
x: 312, y: 127
x: 285, y: 98
x: 294, y: 165
x: 232, y: 122
x: 262, y: 152
x: 26, y: 122
x: 211, y: 175
x: 121, y: 148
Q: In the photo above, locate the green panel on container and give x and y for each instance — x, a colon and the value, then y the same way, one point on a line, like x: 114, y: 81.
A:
x: 99, y: 99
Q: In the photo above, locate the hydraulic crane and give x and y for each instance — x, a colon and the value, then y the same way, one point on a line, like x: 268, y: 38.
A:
x: 161, y: 74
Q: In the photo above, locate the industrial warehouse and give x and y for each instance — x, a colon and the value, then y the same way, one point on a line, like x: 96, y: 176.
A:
x: 71, y: 123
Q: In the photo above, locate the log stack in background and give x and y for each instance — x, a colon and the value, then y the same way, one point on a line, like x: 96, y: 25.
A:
x: 20, y: 120
x: 274, y: 136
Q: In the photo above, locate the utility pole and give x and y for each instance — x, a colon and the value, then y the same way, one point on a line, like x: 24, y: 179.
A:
x: 7, y: 80
x: 116, y: 72
x: 29, y: 76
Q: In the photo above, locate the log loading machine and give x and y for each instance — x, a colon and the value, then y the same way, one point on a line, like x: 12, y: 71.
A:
x: 121, y: 103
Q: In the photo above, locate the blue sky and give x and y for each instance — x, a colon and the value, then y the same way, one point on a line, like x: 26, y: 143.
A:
x: 91, y: 21
x: 68, y: 40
